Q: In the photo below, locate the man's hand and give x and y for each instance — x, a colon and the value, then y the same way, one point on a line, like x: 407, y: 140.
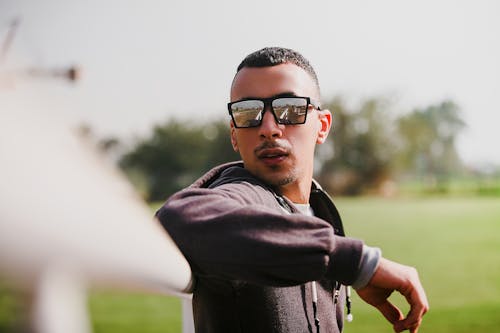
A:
x: 391, y: 276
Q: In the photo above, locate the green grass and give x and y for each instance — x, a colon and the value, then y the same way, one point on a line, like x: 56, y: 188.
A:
x: 113, y: 311
x: 455, y: 245
x: 453, y: 242
x: 459, y: 186
x: 13, y: 311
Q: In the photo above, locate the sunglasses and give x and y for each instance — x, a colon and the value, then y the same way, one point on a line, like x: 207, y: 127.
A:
x: 286, y: 110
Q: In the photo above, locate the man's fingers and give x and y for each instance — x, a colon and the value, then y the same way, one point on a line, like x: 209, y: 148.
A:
x: 401, y: 326
x: 411, y: 322
x: 418, y: 306
x: 390, y: 312
x: 414, y: 328
x: 415, y: 315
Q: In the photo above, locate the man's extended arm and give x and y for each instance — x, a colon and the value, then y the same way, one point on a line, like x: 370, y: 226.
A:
x: 235, y: 232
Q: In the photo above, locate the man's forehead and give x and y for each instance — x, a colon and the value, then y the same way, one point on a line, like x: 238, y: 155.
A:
x: 273, y: 80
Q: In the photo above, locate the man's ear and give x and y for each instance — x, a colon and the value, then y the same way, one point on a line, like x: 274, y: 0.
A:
x: 325, y: 118
x: 234, y: 142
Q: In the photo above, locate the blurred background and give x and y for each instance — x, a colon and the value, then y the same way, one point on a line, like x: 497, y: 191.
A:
x: 412, y: 159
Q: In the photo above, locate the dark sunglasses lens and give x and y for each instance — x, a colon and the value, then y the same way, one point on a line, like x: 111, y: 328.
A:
x: 290, y: 110
x: 247, y: 113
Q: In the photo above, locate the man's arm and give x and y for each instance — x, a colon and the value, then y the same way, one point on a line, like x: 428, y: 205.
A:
x: 232, y: 232
x: 388, y: 277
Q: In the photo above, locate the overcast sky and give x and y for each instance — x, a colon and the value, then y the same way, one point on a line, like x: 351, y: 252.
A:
x: 145, y: 61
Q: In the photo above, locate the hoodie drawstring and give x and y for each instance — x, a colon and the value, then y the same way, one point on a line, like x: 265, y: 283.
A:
x: 336, y: 294
x: 349, y: 317
x: 315, y: 305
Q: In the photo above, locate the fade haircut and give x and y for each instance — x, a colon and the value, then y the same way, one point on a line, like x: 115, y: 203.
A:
x: 272, y: 56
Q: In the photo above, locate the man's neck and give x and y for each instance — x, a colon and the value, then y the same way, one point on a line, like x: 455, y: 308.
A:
x: 297, y: 192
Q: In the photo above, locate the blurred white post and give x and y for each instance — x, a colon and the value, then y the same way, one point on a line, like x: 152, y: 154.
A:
x: 187, y: 316
x: 60, y: 304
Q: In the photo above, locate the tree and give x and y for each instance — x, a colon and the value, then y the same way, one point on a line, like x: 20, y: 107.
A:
x: 361, y: 147
x: 428, y: 139
x: 175, y: 155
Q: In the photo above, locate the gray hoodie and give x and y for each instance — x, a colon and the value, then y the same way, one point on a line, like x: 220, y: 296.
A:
x: 252, y: 261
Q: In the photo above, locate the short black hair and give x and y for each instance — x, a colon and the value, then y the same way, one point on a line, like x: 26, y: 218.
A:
x: 272, y: 56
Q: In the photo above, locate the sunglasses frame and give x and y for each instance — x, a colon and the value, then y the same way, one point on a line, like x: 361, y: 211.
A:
x: 268, y: 105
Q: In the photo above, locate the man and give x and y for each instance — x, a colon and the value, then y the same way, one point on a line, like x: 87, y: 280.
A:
x: 264, y: 242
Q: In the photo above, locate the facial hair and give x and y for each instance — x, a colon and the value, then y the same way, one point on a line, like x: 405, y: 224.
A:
x: 291, y: 175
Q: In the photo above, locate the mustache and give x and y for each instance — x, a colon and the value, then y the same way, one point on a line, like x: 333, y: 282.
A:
x: 272, y: 145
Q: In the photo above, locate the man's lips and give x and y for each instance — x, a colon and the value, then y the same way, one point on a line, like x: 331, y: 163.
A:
x: 272, y: 153
x: 272, y: 156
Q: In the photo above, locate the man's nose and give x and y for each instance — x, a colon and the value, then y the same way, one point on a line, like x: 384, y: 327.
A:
x: 269, y: 128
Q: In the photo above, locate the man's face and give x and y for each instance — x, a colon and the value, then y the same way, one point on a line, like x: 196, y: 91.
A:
x: 281, y: 155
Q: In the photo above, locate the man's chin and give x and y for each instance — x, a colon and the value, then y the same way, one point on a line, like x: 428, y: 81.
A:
x: 285, y: 181
x: 276, y: 176
x: 278, y: 179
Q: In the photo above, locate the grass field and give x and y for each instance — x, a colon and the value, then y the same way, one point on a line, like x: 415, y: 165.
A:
x: 454, y: 243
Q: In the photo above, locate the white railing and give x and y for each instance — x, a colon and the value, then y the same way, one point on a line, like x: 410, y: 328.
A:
x: 68, y: 220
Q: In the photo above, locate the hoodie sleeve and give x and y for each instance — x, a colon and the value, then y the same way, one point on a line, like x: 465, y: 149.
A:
x: 232, y: 232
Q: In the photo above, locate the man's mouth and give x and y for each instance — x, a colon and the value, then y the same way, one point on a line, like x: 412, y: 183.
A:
x: 272, y: 156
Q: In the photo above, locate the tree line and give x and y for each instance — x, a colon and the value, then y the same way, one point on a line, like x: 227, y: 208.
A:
x: 369, y: 149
